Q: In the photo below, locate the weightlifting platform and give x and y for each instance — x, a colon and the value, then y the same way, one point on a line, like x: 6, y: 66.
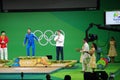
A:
x: 34, y: 65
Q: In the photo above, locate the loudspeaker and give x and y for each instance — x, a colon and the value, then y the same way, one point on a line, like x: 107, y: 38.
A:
x: 88, y: 76
x: 97, y: 75
x: 101, y: 75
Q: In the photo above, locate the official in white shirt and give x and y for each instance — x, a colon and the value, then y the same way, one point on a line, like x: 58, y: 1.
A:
x: 85, y: 57
x: 59, y: 38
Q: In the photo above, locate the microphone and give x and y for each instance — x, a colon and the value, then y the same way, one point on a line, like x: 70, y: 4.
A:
x: 22, y: 75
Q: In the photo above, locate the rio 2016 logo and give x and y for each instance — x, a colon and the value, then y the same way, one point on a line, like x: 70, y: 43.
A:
x: 116, y: 16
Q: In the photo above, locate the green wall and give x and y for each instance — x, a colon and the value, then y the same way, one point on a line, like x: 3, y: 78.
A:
x: 73, y: 23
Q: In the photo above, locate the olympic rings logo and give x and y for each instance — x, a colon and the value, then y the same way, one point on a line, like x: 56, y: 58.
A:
x: 46, y: 37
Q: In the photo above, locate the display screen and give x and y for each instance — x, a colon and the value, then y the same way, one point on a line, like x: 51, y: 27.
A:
x: 112, y: 18
x: 19, y: 5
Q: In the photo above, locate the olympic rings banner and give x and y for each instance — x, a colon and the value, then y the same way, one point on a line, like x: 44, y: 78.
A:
x: 46, y: 37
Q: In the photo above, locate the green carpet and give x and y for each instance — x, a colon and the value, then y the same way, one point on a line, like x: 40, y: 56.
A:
x: 77, y: 75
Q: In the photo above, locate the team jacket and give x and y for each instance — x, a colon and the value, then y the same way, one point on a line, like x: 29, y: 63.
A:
x: 5, y: 39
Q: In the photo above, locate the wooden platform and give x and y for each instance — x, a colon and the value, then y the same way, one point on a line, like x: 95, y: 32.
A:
x: 30, y: 69
x: 39, y: 68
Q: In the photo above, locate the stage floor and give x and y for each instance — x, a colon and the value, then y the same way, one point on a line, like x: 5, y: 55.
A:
x: 74, y: 72
x: 30, y: 69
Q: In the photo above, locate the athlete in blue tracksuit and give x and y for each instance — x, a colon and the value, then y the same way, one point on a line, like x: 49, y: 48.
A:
x: 29, y: 38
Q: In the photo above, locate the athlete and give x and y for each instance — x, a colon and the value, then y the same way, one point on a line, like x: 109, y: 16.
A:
x: 29, y: 39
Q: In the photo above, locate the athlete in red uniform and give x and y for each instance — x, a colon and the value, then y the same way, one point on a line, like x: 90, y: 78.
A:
x: 3, y: 46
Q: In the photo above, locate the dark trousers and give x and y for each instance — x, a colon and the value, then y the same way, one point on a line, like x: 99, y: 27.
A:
x: 59, y: 50
x: 28, y: 49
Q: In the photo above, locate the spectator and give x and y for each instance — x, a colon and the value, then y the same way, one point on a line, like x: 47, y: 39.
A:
x: 67, y: 77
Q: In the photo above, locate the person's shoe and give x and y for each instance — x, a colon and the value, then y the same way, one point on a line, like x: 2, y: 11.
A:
x: 62, y: 61
x: 58, y: 61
